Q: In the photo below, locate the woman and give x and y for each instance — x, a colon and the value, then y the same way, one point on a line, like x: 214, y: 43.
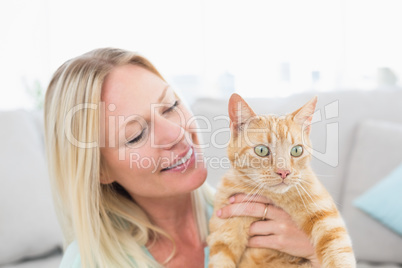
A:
x: 127, y: 173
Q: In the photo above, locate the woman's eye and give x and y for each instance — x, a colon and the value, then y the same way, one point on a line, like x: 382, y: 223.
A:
x: 261, y: 150
x: 137, y: 139
x: 297, y: 151
x: 171, y: 108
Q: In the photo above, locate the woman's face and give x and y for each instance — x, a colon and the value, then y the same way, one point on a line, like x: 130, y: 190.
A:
x: 150, y: 142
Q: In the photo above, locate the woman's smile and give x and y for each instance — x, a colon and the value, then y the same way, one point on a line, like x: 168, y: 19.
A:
x: 185, y: 160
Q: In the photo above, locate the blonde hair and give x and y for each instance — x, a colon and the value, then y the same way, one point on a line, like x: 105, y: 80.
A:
x: 110, y: 229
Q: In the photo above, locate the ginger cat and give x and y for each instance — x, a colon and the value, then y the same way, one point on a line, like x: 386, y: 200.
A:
x: 269, y: 157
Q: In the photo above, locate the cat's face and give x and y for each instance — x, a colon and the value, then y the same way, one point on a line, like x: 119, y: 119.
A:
x: 272, y: 151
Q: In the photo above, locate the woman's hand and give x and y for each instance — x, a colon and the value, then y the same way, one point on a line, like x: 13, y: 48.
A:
x: 278, y: 231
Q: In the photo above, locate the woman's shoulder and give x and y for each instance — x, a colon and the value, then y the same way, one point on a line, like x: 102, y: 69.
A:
x: 71, y: 256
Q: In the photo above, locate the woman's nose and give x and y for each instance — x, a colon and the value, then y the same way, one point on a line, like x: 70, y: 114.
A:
x: 167, y: 132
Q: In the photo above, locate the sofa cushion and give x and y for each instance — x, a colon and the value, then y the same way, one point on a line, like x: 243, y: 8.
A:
x: 376, y: 152
x: 383, y: 202
x: 28, y: 225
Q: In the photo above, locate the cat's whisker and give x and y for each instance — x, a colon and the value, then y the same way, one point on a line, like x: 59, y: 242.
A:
x: 255, y: 194
x: 248, y: 201
x: 303, y: 180
x: 241, y: 174
x: 301, y: 197
x: 336, y: 203
x: 312, y: 200
x: 251, y: 196
x: 308, y: 207
x: 242, y: 183
x: 236, y: 188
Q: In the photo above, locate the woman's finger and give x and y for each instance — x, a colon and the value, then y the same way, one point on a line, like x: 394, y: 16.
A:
x: 262, y: 228
x: 283, y: 236
x: 266, y: 241
x: 258, y: 210
x: 253, y: 209
x: 244, y: 209
x: 242, y: 198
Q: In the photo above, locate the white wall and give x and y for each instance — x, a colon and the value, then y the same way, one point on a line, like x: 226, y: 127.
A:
x: 263, y: 48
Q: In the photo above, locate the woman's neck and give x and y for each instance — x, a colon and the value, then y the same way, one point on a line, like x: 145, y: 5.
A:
x: 175, y: 216
x: 172, y: 214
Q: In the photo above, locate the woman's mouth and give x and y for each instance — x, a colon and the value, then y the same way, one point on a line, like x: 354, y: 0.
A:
x: 183, y: 162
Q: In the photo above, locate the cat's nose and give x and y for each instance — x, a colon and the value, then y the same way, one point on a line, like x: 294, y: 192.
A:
x: 283, y: 173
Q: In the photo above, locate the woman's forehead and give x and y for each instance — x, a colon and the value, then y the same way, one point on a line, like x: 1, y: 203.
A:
x: 131, y: 89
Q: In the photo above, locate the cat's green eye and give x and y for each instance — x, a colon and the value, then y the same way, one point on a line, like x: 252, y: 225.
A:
x: 296, y: 151
x: 261, y: 150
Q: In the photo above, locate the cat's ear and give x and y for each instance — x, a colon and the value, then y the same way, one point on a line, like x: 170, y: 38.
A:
x: 239, y: 111
x: 304, y: 115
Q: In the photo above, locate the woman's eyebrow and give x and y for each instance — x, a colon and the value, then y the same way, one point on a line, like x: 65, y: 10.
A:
x: 162, y: 96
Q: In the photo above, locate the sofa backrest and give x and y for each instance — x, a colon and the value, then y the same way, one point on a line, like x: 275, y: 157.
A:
x: 28, y: 225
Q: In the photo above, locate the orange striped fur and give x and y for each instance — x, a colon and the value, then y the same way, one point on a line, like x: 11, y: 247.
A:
x: 301, y: 194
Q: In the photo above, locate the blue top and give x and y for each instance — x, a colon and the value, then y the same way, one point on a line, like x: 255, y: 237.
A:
x: 72, y: 258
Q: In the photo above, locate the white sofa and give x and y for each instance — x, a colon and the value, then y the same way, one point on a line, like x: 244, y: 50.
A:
x: 30, y: 236
x: 29, y: 233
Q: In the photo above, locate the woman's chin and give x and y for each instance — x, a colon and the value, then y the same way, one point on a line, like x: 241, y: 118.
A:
x: 188, y: 180
x: 202, y: 174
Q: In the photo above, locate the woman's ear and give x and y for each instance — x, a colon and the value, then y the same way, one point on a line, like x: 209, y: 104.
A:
x: 239, y: 112
x: 304, y: 115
